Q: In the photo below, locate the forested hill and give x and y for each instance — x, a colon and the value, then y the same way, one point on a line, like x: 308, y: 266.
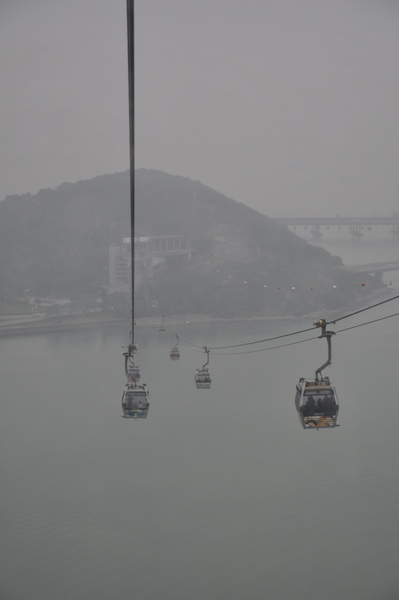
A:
x: 57, y: 242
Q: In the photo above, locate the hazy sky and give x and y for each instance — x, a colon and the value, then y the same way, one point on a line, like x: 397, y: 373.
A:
x: 290, y: 107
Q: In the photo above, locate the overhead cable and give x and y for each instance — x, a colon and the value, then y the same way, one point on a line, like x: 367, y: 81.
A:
x: 278, y: 337
x: 263, y: 349
x: 305, y: 340
x: 368, y: 322
x: 304, y: 330
x: 362, y: 310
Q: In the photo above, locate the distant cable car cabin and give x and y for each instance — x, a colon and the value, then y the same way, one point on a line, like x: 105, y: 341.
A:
x: 162, y: 327
x: 202, y: 377
x: 174, y: 353
x: 316, y: 400
x: 135, y: 401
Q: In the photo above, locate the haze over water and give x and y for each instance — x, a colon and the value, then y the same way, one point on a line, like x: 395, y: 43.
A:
x: 375, y: 246
x: 219, y: 494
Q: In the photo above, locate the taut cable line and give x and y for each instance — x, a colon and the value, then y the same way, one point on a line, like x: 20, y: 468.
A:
x: 362, y: 310
x: 263, y: 349
x: 277, y: 337
x: 305, y: 340
x: 213, y: 348
x: 368, y: 322
x: 130, y: 61
x: 302, y: 330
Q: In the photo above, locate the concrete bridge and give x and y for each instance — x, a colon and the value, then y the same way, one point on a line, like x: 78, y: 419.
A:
x: 356, y: 224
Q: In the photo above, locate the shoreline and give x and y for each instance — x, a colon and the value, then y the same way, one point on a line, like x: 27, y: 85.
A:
x: 52, y: 324
x: 82, y: 322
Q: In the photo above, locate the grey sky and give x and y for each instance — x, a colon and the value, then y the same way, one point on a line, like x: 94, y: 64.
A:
x: 290, y: 107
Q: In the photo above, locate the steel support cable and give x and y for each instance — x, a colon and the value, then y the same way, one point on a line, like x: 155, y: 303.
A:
x: 263, y: 349
x: 368, y: 322
x: 197, y: 350
x: 305, y: 340
x: 303, y: 330
x: 362, y: 310
x: 249, y: 343
x: 190, y: 344
x: 130, y: 62
x: 277, y: 337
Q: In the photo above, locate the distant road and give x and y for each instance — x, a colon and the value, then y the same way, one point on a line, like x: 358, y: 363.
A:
x: 23, y: 326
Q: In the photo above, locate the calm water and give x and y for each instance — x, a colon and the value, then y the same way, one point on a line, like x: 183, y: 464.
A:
x: 219, y: 494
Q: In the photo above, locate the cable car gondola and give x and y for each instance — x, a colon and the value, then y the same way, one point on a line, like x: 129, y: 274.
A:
x: 316, y: 400
x: 202, y: 377
x: 162, y: 327
x: 174, y: 354
x: 174, y: 351
x: 317, y: 403
x: 135, y: 401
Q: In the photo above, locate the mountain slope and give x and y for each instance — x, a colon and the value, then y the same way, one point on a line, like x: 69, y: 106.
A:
x: 244, y: 262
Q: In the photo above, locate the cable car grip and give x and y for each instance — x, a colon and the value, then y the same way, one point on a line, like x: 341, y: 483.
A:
x: 207, y: 353
x: 322, y: 323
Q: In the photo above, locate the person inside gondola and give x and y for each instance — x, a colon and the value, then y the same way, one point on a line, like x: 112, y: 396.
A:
x: 330, y: 406
x: 309, y: 408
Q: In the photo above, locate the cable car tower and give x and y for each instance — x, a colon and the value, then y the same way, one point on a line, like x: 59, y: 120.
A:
x: 174, y: 351
x: 316, y: 399
x: 202, y: 377
x: 135, y: 397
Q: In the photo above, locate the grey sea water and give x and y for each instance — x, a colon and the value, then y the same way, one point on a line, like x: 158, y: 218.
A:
x: 219, y: 494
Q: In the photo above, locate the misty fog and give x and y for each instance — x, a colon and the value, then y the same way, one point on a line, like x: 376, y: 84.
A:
x: 288, y: 107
